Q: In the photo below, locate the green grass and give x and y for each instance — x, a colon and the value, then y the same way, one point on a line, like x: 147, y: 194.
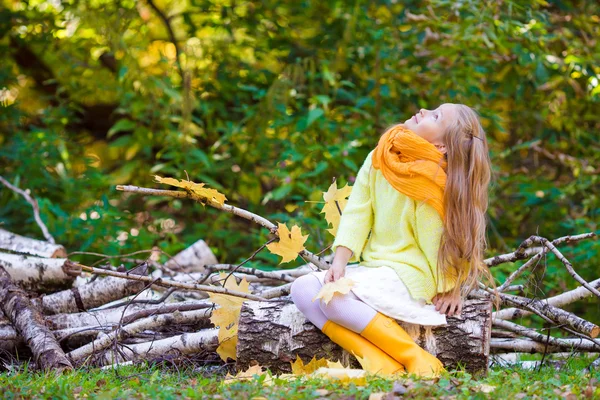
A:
x: 161, y: 383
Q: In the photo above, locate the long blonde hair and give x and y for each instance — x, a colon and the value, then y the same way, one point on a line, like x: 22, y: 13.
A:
x: 465, y: 202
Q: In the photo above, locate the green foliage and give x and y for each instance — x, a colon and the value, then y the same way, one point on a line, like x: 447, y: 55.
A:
x: 141, y: 382
x: 269, y: 101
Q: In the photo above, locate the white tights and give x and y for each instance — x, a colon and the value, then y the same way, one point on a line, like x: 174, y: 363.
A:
x: 346, y: 310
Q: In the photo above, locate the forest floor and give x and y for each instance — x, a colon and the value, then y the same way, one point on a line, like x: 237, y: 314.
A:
x: 557, y: 379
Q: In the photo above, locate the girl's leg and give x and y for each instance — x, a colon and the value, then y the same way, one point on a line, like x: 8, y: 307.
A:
x: 349, y: 311
x: 303, y: 290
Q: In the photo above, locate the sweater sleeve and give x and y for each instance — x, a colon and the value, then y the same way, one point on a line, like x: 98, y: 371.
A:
x: 357, y: 217
x: 429, y: 230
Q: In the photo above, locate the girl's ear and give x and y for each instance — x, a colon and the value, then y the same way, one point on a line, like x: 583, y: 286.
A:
x: 441, y: 148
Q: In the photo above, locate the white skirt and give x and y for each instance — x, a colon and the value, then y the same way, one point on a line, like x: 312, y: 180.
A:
x: 382, y: 289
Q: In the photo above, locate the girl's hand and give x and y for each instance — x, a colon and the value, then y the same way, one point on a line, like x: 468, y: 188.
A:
x: 444, y: 302
x: 335, y: 272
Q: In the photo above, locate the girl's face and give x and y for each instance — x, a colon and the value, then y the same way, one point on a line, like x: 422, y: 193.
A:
x: 431, y: 125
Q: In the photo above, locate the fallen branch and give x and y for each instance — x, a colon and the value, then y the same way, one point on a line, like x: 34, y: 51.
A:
x: 531, y: 346
x: 523, y: 251
x: 530, y: 333
x: 554, y: 314
x: 187, y: 317
x: 557, y: 301
x: 519, y: 271
x: 30, y: 325
x: 110, y: 317
x: 276, y: 275
x: 188, y: 343
x: 34, y: 204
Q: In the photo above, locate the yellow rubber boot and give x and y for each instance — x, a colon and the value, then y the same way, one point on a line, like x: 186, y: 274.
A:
x: 380, y: 362
x: 390, y: 337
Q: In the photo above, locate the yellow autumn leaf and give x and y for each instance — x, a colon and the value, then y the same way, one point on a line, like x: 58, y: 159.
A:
x: 343, y: 375
x: 337, y: 364
x: 197, y: 188
x: 227, y: 316
x: 328, y: 290
x: 227, y: 343
x: 290, y: 243
x: 298, y: 367
x: 335, y: 202
x: 249, y: 374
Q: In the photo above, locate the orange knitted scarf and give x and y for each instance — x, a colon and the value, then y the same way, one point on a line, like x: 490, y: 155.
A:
x: 411, y: 165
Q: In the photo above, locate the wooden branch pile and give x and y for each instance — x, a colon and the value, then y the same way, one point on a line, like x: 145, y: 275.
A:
x: 62, y: 314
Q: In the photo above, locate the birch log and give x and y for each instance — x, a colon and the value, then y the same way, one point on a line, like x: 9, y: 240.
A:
x: 21, y: 244
x: 188, y: 343
x: 104, y: 341
x: 192, y: 259
x: 29, y: 323
x: 91, y: 295
x: 274, y: 333
x: 9, y: 338
x: 554, y: 313
x: 110, y: 317
x: 508, y: 345
x: 37, y: 274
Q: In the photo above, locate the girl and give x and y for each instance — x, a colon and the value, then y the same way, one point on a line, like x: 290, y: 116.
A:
x: 422, y: 196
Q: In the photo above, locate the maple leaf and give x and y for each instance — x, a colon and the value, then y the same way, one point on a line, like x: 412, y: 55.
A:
x: 328, y: 290
x: 227, y: 316
x: 290, y: 243
x: 298, y: 367
x: 197, y: 188
x: 335, y: 202
x: 337, y: 364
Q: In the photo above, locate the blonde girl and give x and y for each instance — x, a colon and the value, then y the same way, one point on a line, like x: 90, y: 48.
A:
x: 415, y: 223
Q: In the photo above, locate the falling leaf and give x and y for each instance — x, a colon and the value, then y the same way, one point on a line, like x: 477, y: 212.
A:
x: 227, y: 316
x: 342, y: 286
x: 290, y: 243
x: 197, y: 188
x: 335, y: 202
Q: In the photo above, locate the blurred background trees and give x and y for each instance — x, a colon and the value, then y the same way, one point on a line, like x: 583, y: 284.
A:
x: 269, y: 101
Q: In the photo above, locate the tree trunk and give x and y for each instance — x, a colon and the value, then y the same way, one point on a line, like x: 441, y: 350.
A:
x: 20, y: 244
x: 37, y: 274
x: 30, y: 325
x: 273, y: 333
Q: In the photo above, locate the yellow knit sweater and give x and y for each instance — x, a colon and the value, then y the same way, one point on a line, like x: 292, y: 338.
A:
x: 405, y: 234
